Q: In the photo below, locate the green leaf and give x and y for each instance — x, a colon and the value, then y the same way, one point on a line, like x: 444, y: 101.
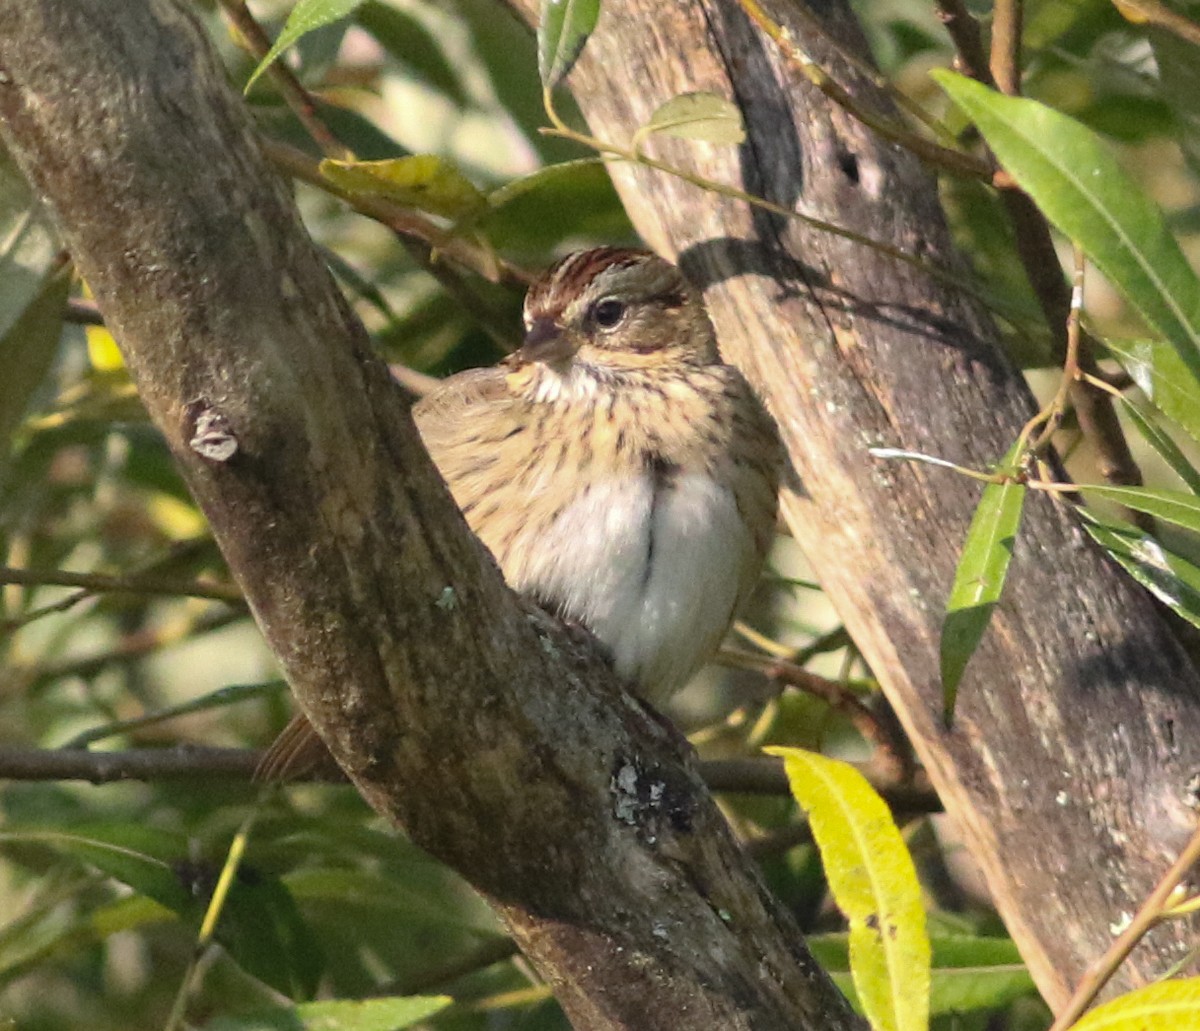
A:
x: 977, y: 974
x: 260, y: 925
x: 1170, y: 577
x: 978, y: 581
x: 28, y: 245
x: 1171, y: 506
x: 509, y: 55
x: 969, y: 973
x: 220, y: 698
x: 984, y: 233
x: 306, y: 16
x: 874, y: 882
x: 567, y: 171
x: 423, y: 181
x: 265, y: 934
x: 386, y: 1014
x: 86, y: 929
x: 400, y: 901
x: 31, y: 299
x: 1083, y: 190
x: 1166, y: 1006
x: 534, y: 213
x: 134, y: 854
x: 696, y: 116
x: 1164, y: 446
x: 27, y: 353
x: 410, y: 43
x: 1163, y: 377
x: 562, y: 31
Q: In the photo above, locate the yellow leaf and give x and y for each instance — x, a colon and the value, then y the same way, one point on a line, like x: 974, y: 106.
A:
x: 697, y: 116
x: 1166, y: 1006
x: 423, y: 181
x: 177, y: 519
x: 1131, y: 12
x: 874, y: 882
x: 103, y: 352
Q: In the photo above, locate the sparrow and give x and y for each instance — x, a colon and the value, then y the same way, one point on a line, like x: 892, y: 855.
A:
x: 622, y: 475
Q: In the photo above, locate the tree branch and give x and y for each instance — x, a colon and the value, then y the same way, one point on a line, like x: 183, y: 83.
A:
x: 191, y: 763
x: 748, y: 776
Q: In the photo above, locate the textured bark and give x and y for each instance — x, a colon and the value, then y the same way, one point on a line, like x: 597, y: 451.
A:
x: 495, y: 739
x: 1072, y: 765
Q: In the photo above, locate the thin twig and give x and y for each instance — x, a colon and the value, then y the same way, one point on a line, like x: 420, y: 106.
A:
x: 830, y: 641
x: 1115, y: 383
x: 303, y: 106
x: 180, y: 763
x: 208, y: 926
x: 762, y: 641
x: 178, y: 552
x: 134, y: 583
x: 870, y: 73
x: 757, y: 775
x: 1097, y: 418
x: 1005, y: 63
x: 1047, y: 421
x: 221, y: 698
x: 202, y: 764
x: 963, y: 30
x: 892, y: 749
x: 1150, y: 913
x: 11, y: 626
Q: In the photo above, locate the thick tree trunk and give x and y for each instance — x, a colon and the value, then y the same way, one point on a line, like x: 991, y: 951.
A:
x: 495, y: 739
x: 1072, y: 765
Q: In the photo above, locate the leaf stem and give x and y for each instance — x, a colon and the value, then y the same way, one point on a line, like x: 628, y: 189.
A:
x: 1049, y: 418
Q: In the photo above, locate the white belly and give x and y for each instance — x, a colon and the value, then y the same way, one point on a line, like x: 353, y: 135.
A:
x: 654, y: 571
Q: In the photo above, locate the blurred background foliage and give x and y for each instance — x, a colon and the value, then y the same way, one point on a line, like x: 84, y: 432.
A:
x: 102, y: 888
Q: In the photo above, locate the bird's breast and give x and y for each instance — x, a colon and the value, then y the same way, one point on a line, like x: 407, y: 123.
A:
x: 653, y: 562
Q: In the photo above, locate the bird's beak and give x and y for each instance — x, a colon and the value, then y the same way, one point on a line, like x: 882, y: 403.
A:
x: 546, y: 342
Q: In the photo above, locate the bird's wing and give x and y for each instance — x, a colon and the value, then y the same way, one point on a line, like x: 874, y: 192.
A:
x: 439, y: 414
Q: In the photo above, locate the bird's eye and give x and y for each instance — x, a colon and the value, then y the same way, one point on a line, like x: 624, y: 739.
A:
x: 606, y: 313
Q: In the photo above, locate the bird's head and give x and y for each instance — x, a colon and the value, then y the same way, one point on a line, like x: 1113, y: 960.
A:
x: 602, y: 313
